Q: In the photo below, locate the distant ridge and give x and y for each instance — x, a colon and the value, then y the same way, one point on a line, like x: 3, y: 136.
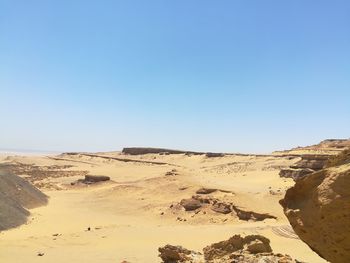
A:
x: 147, y: 150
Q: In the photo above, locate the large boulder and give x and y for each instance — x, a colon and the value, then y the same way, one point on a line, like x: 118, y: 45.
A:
x: 190, y: 204
x: 318, y: 208
x: 172, y: 254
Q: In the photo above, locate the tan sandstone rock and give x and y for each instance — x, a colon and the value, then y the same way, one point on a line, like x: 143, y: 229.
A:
x: 318, y: 208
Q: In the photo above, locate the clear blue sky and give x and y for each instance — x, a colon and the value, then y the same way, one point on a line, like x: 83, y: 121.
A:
x: 234, y: 76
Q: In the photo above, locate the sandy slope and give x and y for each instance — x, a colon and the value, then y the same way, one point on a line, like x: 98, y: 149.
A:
x: 130, y: 216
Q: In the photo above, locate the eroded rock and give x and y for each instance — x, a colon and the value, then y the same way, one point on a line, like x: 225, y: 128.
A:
x: 222, y: 208
x: 255, y: 243
x: 200, y: 202
x: 205, y: 191
x: 250, y: 215
x: 190, y: 204
x: 249, y: 249
x: 96, y: 178
x: 318, y: 208
x: 314, y: 162
x: 172, y: 254
x: 295, y: 174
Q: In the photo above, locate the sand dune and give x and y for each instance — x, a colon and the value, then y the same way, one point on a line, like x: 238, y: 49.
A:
x: 16, y: 196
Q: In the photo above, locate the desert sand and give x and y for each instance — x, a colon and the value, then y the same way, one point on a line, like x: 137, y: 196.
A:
x: 128, y: 217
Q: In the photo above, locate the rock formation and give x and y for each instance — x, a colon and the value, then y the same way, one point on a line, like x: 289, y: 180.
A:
x: 147, y: 150
x: 318, y: 208
x: 250, y: 215
x: 253, y: 244
x: 330, y: 147
x: 295, y: 174
x: 307, y: 165
x: 312, y: 161
x: 249, y: 249
x: 171, y: 254
x: 313, y: 158
x: 205, y: 191
x: 190, y: 204
x: 198, y: 202
x: 96, y: 178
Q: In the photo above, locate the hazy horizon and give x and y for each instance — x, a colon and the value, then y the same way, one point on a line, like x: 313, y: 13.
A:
x: 249, y: 77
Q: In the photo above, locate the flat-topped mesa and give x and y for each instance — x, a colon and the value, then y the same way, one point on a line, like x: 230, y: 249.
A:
x: 148, y: 150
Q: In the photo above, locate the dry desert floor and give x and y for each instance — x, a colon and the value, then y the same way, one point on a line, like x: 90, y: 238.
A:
x: 139, y: 210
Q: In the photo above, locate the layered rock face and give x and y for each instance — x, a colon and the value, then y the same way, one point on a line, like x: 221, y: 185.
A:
x: 318, y: 208
x: 16, y: 196
x: 313, y: 158
x: 307, y: 165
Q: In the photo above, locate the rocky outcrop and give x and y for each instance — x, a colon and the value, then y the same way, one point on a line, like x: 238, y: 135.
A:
x: 205, y: 191
x: 147, y: 150
x: 171, y: 254
x: 212, y: 155
x: 96, y: 178
x: 253, y: 244
x: 91, y: 179
x: 16, y: 196
x: 199, y: 202
x: 295, y: 174
x: 250, y: 215
x: 308, y: 164
x: 191, y: 204
x: 313, y: 158
x: 222, y: 207
x: 312, y: 161
x: 318, y: 208
x: 330, y: 146
x: 173, y: 172
x: 249, y: 249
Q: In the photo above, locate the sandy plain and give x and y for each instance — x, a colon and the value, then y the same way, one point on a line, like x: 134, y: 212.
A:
x: 138, y: 210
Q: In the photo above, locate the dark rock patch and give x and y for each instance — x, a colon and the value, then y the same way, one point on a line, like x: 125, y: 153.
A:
x: 190, y: 204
